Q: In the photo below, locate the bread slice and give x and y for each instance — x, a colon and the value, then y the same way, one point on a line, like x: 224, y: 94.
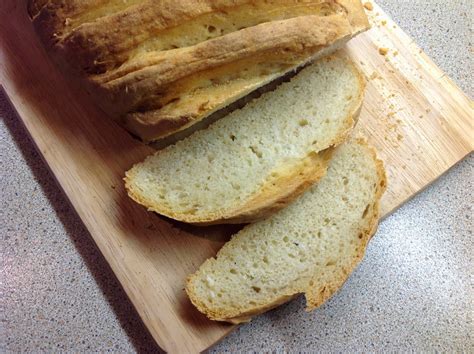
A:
x: 257, y: 159
x: 159, y: 67
x: 310, y: 247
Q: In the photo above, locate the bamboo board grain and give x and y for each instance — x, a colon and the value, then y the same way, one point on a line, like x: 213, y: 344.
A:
x: 418, y: 119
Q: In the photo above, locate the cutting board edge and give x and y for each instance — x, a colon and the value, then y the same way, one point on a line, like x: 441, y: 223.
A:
x: 69, y: 200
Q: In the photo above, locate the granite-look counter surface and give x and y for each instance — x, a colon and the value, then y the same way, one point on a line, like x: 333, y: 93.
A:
x: 413, y: 291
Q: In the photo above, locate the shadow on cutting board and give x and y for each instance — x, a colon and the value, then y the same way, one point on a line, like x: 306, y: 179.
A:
x: 75, y: 126
x: 83, y: 243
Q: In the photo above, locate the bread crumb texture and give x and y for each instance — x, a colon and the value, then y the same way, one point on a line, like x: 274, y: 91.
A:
x: 266, y: 151
x: 310, y: 247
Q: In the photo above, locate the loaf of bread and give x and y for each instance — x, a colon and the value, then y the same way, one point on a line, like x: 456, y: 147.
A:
x: 310, y: 248
x: 255, y: 160
x: 160, y: 66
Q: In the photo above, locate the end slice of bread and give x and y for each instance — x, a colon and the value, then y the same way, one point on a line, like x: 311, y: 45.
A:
x: 257, y: 159
x: 308, y: 248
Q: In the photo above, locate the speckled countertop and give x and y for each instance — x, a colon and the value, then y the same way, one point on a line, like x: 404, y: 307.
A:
x: 414, y: 290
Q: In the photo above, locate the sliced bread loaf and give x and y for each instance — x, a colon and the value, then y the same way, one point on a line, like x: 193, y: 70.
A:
x: 158, y: 67
x: 310, y: 247
x: 257, y: 159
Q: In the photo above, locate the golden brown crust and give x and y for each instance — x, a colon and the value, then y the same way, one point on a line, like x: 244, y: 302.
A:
x: 126, y: 50
x: 153, y: 72
x: 356, y: 15
x: 315, y: 295
x: 85, y: 27
x: 256, y: 71
x: 53, y: 18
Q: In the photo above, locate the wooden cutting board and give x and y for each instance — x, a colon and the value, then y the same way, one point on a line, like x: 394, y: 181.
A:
x: 418, y: 119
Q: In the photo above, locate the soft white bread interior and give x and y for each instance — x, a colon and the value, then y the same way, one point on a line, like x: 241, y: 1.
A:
x: 308, y: 248
x: 257, y: 159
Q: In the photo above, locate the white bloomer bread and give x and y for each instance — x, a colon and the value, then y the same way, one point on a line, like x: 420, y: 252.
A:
x: 256, y: 160
x: 159, y: 67
x: 308, y: 248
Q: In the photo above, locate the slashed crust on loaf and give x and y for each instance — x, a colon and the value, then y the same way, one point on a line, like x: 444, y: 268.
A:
x: 105, y: 33
x: 160, y: 66
x: 316, y: 293
x: 288, y: 178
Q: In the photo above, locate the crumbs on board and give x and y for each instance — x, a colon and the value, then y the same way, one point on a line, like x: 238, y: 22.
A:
x: 383, y: 51
x: 369, y: 6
